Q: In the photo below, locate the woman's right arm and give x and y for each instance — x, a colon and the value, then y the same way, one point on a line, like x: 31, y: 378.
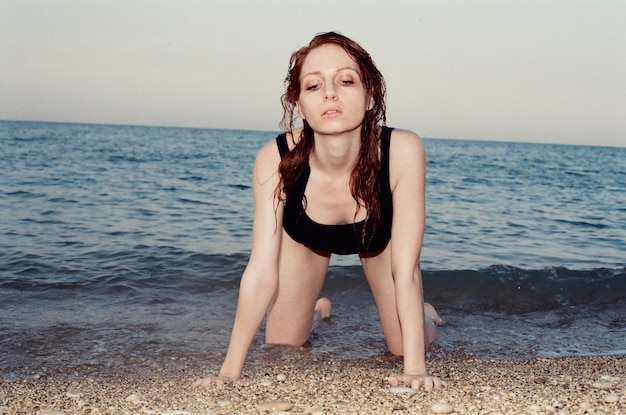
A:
x: 260, y: 278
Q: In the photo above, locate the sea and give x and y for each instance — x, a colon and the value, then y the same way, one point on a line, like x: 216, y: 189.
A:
x: 122, y: 248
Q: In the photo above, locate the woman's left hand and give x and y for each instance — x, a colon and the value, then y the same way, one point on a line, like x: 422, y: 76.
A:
x: 426, y: 381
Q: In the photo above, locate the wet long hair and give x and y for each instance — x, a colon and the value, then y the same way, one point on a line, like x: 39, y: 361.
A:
x: 365, y: 172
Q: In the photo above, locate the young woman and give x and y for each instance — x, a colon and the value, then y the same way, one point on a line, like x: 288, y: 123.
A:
x: 343, y: 183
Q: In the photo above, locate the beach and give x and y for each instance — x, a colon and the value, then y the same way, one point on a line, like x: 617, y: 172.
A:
x: 122, y: 249
x: 569, y: 385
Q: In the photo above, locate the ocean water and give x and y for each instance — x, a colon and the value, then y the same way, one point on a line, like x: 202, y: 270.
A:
x: 121, y: 250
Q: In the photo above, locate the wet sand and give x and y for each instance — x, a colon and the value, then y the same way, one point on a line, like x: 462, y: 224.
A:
x: 574, y: 385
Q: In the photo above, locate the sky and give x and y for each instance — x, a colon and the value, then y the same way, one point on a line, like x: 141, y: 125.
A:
x: 550, y: 71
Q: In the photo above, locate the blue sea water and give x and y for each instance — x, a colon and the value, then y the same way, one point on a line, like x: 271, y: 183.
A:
x: 121, y: 249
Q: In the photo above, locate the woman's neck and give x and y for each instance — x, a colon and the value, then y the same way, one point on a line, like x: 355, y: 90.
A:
x: 336, y: 154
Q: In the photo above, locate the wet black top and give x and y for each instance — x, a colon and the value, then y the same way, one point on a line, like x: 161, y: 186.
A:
x: 345, y: 238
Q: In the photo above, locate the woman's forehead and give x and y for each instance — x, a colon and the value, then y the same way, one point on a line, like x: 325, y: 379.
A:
x: 328, y: 57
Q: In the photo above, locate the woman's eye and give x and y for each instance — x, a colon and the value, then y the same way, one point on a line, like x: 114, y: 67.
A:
x: 347, y: 82
x: 312, y: 87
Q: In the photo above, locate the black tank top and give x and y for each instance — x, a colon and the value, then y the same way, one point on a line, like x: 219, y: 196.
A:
x: 339, y: 239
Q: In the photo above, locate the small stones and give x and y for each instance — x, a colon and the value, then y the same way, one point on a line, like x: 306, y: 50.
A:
x: 223, y: 403
x: 333, y: 389
x: 271, y: 406
x: 441, y: 408
x: 610, y: 378
x: 401, y: 389
x: 549, y: 409
x: 313, y: 410
x: 608, y: 382
x: 74, y: 393
x: 134, y: 399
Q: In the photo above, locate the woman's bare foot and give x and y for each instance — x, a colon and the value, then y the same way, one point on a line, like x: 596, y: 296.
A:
x: 431, y: 320
x: 431, y: 314
x: 323, y: 308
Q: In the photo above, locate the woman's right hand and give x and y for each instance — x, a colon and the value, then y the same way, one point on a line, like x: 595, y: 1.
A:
x: 212, y: 380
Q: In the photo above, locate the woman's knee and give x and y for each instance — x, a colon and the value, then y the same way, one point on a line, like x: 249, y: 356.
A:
x: 286, y: 339
x: 395, y: 350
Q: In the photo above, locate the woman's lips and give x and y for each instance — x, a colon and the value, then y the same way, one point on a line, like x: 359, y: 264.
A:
x: 331, y: 113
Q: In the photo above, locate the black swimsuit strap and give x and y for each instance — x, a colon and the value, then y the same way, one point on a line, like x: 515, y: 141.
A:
x: 385, y: 142
x: 283, y: 147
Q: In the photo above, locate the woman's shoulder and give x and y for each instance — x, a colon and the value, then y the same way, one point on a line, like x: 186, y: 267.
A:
x: 405, y: 142
x: 270, y: 147
x: 402, y: 134
x: 407, y: 157
x: 267, y: 159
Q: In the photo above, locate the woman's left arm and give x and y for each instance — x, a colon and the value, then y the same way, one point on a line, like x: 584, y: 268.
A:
x: 408, y: 178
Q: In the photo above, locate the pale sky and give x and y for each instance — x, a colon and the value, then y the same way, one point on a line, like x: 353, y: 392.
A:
x: 506, y: 70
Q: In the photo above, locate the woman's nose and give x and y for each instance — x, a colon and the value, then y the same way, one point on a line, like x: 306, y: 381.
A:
x: 330, y: 92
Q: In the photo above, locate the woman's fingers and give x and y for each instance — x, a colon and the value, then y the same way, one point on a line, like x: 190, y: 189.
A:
x: 429, y: 383
x: 210, y: 380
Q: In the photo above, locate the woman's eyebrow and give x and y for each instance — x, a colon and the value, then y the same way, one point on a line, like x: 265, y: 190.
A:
x: 338, y: 70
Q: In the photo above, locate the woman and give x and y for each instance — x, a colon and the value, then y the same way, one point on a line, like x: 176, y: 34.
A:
x: 343, y: 183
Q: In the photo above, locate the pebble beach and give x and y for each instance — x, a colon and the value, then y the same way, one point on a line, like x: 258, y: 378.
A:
x: 122, y: 249
x: 567, y: 385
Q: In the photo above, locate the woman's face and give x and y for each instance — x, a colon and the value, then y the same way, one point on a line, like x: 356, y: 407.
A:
x: 332, y: 97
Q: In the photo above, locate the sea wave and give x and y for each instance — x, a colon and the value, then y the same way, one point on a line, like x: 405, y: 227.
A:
x: 142, y: 270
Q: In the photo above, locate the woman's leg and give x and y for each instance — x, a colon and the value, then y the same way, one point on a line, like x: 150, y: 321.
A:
x: 301, y: 276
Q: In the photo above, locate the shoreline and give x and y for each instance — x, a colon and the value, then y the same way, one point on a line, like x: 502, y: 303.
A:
x: 569, y: 385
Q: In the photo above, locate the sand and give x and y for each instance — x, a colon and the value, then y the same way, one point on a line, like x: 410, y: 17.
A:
x: 573, y: 385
